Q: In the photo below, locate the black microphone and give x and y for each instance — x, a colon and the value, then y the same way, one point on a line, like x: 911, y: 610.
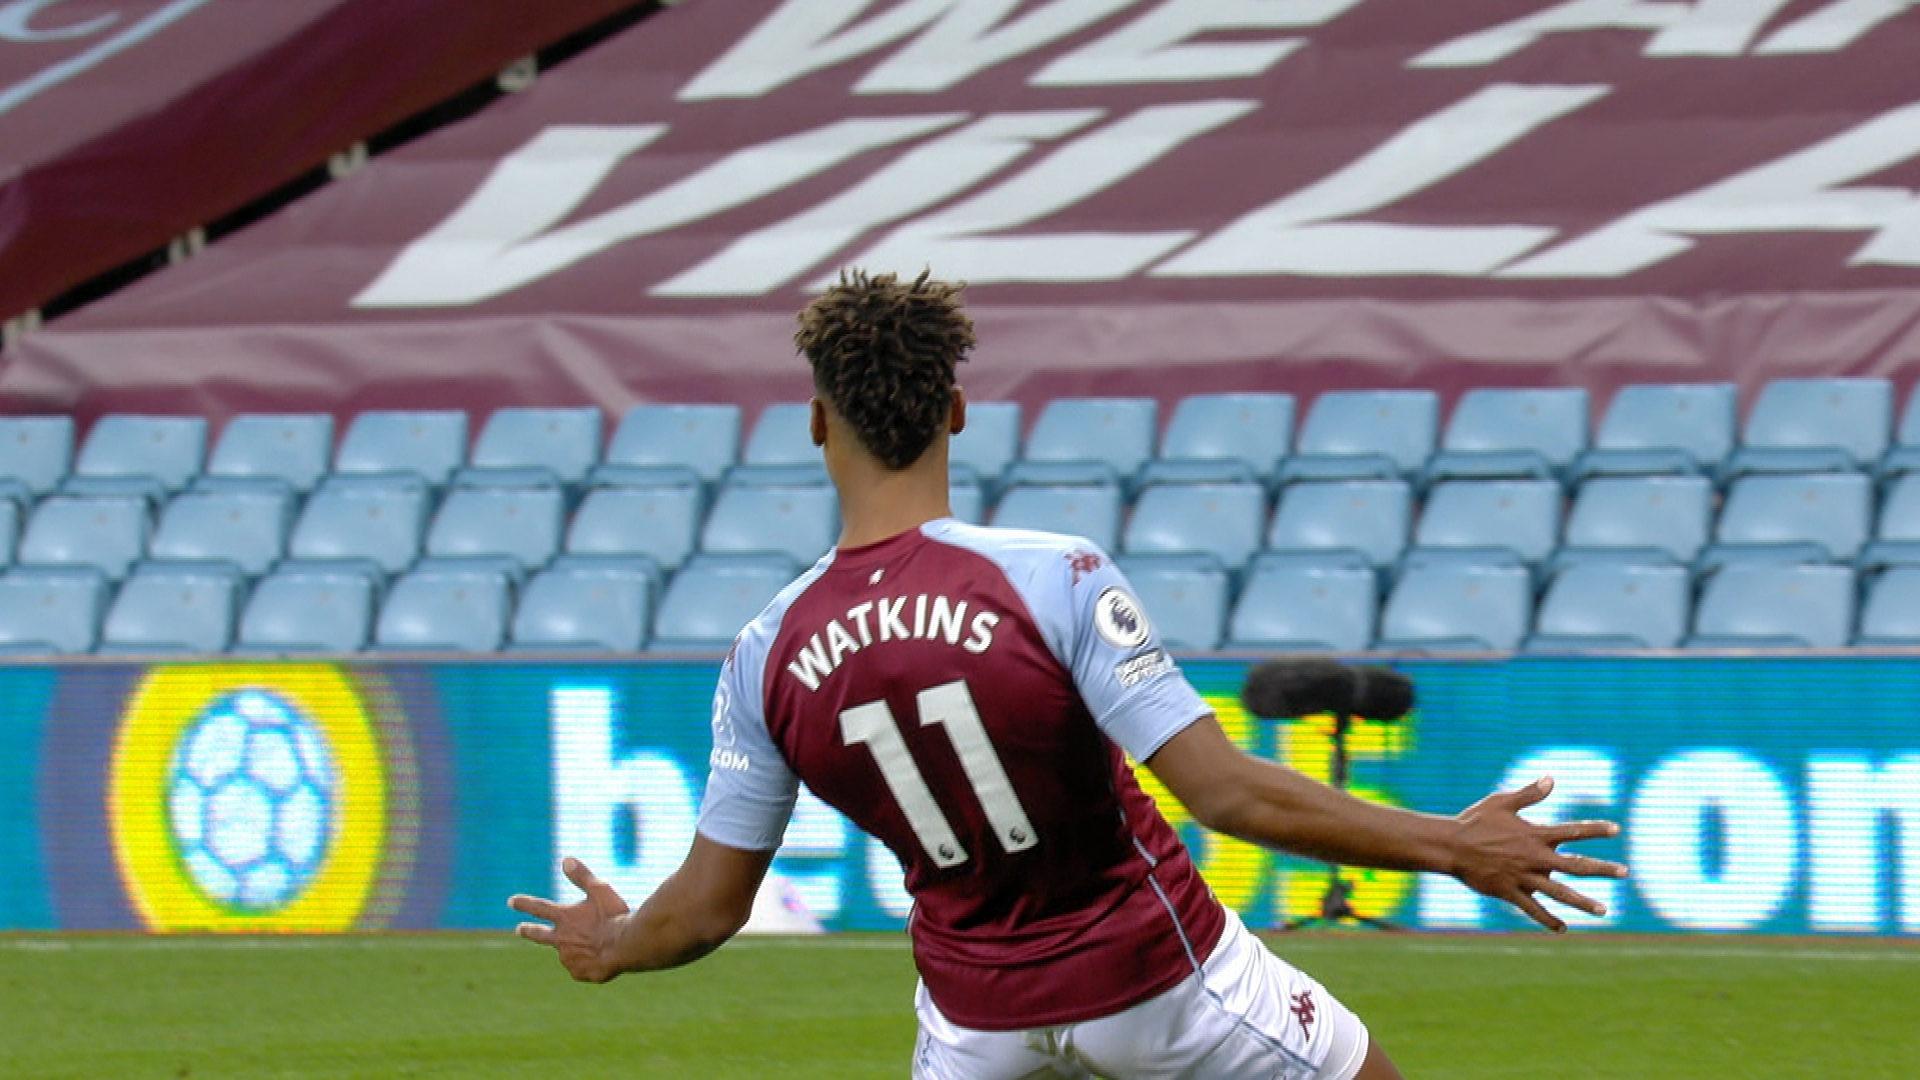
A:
x: 1310, y: 686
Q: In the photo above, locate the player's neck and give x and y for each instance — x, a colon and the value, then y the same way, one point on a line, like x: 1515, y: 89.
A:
x: 877, y: 503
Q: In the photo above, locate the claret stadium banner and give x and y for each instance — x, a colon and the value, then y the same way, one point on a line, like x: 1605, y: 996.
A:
x: 126, y: 123
x: 1255, y: 194
x: 1775, y: 795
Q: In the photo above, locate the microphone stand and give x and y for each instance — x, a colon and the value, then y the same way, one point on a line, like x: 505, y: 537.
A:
x: 1336, y: 903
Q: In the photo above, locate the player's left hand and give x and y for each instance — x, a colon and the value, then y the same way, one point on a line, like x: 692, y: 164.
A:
x: 586, y: 933
x: 1505, y: 856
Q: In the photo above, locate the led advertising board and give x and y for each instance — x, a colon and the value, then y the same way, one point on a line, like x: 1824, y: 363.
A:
x: 1771, y: 795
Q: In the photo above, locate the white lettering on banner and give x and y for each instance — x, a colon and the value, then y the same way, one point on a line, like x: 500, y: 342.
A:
x: 925, y: 176
x: 1585, y: 781
x: 957, y: 239
x: 1703, y: 28
x: 1668, y: 840
x: 962, y: 38
x: 16, y: 23
x: 504, y: 237
x: 888, y: 880
x: 1302, y: 233
x: 1800, y: 192
x: 1833, y: 27
x: 1157, y: 48
x: 1714, y: 843
x: 1446, y: 904
x: 529, y: 192
x: 591, y: 785
x: 811, y: 853
x: 73, y: 66
x: 971, y: 38
x: 1848, y: 800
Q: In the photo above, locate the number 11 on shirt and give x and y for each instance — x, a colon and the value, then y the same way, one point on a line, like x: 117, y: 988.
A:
x: 951, y: 706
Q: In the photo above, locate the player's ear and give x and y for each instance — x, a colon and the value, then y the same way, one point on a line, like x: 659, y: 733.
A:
x: 957, y: 419
x: 817, y: 420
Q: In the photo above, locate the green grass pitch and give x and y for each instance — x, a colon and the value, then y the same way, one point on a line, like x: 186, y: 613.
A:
x: 479, y: 1007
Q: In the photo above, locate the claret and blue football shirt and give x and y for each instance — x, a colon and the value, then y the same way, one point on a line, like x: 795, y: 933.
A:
x: 969, y: 696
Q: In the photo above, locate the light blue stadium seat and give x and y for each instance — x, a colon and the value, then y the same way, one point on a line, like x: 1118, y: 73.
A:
x: 271, y: 451
x: 1816, y: 425
x: 576, y: 610
x: 991, y: 440
x: 247, y: 530
x: 1905, y: 456
x: 1533, y: 434
x: 385, y: 527
x: 1117, y: 432
x: 1368, y: 517
x: 658, y: 523
x: 652, y: 439
x: 109, y: 534
x: 1222, y: 520
x: 303, y: 610
x: 1897, y: 540
x: 1253, y: 428
x: 1892, y: 612
x: 514, y: 530
x: 714, y: 596
x: 1302, y: 606
x: 1185, y: 596
x: 1365, y: 435
x: 1639, y: 519
x: 429, y: 445
x: 147, y: 456
x: 1775, y: 605
x: 1811, y: 517
x: 800, y: 523
x: 781, y: 437
x: 630, y: 567
x: 35, y: 454
x: 51, y: 611
x: 1606, y: 606
x: 966, y: 496
x: 1489, y: 520
x: 522, y: 447
x: 1090, y: 511
x: 445, y: 611
x: 1065, y: 473
x: 646, y: 476
x: 172, y: 609
x: 10, y: 521
x: 1663, y: 430
x: 1191, y: 471
x: 779, y: 476
x: 411, y: 483
x: 1457, y: 607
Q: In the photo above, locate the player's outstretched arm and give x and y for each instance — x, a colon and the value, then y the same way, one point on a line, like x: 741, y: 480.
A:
x: 691, y: 914
x: 1488, y: 846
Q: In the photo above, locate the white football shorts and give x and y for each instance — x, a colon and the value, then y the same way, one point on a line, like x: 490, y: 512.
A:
x: 1246, y: 1013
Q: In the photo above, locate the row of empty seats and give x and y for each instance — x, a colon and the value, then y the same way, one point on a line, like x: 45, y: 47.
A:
x: 536, y: 519
x: 1592, y: 607
x: 585, y: 605
x: 1201, y: 542
x: 1820, y: 517
x: 1796, y: 426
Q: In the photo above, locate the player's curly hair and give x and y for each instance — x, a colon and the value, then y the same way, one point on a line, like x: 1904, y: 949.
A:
x: 883, y: 354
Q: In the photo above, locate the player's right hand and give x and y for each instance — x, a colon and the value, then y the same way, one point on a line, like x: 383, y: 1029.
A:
x: 1505, y: 856
x: 585, y: 933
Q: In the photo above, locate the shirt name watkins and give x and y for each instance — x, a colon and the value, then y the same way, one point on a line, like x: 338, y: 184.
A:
x: 895, y: 618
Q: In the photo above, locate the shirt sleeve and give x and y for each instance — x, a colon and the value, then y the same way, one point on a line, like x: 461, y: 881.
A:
x: 750, y: 790
x: 1137, y: 694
